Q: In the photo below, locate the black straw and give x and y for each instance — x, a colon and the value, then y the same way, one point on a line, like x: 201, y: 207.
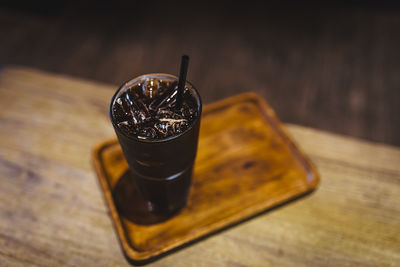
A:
x: 182, y: 81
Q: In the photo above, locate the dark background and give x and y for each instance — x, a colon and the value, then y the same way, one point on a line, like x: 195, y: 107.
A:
x: 333, y: 66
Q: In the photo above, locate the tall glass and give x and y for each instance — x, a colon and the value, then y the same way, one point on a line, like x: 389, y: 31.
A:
x: 161, y: 168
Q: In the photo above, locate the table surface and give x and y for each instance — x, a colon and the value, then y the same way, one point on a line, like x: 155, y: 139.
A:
x: 52, y: 212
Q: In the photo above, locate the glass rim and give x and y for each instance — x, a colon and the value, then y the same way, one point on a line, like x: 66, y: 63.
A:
x: 129, y: 83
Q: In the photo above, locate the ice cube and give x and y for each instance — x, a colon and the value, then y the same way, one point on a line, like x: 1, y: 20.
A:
x: 189, y: 113
x: 162, y: 127
x: 124, y: 125
x: 168, y: 125
x: 143, y: 107
x: 165, y: 99
x: 135, y: 108
x: 127, y: 126
x: 141, y: 115
x: 148, y: 132
x: 150, y: 87
x: 164, y: 113
x: 135, y: 118
x: 124, y: 105
x: 132, y: 102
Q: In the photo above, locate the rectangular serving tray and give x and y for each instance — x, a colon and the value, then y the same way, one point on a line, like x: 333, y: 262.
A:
x: 246, y: 163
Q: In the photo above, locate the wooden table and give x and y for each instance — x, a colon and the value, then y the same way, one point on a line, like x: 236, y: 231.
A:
x: 52, y: 212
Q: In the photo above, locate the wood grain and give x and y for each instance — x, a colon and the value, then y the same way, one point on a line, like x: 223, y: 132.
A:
x: 52, y: 212
x: 245, y: 164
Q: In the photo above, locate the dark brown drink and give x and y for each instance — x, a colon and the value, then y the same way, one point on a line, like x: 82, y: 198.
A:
x: 159, y: 141
x: 147, y: 109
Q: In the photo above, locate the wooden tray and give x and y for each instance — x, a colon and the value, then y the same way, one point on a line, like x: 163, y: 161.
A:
x: 246, y: 163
